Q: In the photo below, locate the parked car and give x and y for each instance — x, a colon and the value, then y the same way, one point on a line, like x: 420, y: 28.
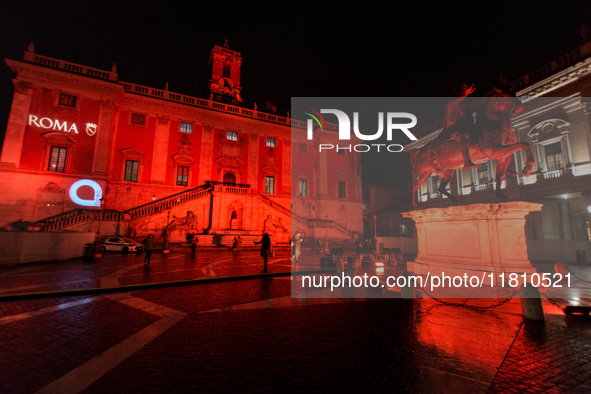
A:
x: 120, y: 244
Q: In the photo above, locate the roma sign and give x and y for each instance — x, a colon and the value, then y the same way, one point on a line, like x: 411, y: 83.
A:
x: 56, y: 125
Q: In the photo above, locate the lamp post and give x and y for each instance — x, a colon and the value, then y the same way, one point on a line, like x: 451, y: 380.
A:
x: 97, y: 254
x: 326, y: 250
x: 166, y: 230
x: 375, y: 230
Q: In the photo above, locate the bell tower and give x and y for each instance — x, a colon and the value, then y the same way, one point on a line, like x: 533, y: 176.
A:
x: 224, y: 84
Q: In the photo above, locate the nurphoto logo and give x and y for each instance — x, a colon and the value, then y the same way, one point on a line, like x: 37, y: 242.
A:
x: 345, y: 129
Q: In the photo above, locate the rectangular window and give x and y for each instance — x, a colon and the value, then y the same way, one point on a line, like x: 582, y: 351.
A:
x: 303, y: 147
x: 269, y: 185
x: 303, y: 188
x: 182, y: 176
x: 186, y: 128
x: 57, y: 159
x: 138, y: 119
x: 272, y: 142
x: 434, y: 184
x: 232, y: 136
x: 131, y: 170
x: 554, y: 157
x: 342, y: 190
x: 68, y: 100
x: 482, y: 174
x: 341, y: 152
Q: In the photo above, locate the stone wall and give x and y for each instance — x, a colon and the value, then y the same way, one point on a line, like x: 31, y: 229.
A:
x: 26, y: 247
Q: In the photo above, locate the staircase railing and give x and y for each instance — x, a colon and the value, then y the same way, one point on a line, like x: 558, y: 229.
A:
x: 281, y: 208
x: 343, y: 229
x: 233, y: 188
x: 319, y: 223
x: 76, y: 216
x: 165, y: 203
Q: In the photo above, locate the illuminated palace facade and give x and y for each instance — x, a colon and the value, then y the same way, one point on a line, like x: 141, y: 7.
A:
x: 159, y: 159
x: 556, y: 122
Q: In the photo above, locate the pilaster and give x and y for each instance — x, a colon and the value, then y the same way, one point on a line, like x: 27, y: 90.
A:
x: 17, y: 122
x: 206, y: 159
x: 253, y: 161
x: 286, y: 165
x: 160, y: 160
x: 102, y: 148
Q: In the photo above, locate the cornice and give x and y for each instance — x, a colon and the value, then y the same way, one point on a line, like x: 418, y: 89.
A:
x: 557, y: 81
x: 36, y: 74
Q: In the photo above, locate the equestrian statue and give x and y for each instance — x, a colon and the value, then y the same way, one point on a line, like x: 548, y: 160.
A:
x: 464, y: 143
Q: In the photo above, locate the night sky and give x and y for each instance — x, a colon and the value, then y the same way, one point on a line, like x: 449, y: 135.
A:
x: 298, y: 48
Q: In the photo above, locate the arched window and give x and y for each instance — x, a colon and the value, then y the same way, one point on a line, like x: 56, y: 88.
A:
x: 229, y: 178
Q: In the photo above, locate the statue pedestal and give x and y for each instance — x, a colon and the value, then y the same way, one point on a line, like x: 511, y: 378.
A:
x: 472, y: 239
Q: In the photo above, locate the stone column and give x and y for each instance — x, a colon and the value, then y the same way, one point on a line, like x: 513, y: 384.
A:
x: 17, y: 122
x: 566, y: 157
x: 102, y: 145
x: 160, y: 160
x: 253, y: 161
x: 206, y: 159
x: 565, y: 219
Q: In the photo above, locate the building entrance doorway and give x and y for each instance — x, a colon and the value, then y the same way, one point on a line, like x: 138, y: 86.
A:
x: 229, y: 178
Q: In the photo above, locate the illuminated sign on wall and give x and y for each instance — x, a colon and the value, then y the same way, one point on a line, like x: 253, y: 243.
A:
x: 98, y: 193
x: 56, y: 125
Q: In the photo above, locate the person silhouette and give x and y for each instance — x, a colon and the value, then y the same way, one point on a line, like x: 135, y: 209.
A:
x: 265, y: 243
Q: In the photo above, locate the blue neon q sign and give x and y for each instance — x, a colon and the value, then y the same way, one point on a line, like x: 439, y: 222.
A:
x: 98, y: 193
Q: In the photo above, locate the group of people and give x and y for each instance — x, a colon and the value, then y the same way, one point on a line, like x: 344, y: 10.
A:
x: 367, y: 245
x: 236, y: 244
x: 265, y: 242
x: 150, y: 246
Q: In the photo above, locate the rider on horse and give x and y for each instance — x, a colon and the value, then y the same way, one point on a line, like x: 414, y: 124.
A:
x: 459, y: 119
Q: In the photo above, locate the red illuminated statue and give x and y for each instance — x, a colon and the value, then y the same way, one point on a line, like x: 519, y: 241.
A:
x: 459, y: 119
x: 492, y: 138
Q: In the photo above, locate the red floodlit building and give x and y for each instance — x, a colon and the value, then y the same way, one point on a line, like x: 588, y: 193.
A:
x: 77, y: 136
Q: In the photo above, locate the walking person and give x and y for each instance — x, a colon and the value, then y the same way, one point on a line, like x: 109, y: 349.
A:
x: 194, y: 244
x: 234, y: 243
x: 238, y: 243
x: 149, y: 246
x: 265, y: 243
x: 292, y: 245
x: 296, y: 240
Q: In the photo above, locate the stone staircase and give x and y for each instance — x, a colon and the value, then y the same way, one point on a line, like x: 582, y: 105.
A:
x: 75, y: 217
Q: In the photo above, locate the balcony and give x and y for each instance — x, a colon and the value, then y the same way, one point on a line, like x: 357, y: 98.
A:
x: 553, y: 174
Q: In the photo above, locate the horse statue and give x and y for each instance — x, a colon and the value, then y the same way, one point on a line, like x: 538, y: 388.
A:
x: 493, y: 138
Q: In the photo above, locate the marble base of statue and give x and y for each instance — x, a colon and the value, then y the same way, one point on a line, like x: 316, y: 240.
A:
x: 476, y: 239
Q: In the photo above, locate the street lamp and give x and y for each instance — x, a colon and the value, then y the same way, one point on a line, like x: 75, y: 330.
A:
x: 97, y: 250
x: 326, y: 250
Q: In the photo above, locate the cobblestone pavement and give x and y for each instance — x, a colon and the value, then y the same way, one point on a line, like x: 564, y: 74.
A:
x: 551, y: 357
x: 250, y: 335
x: 90, y: 345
